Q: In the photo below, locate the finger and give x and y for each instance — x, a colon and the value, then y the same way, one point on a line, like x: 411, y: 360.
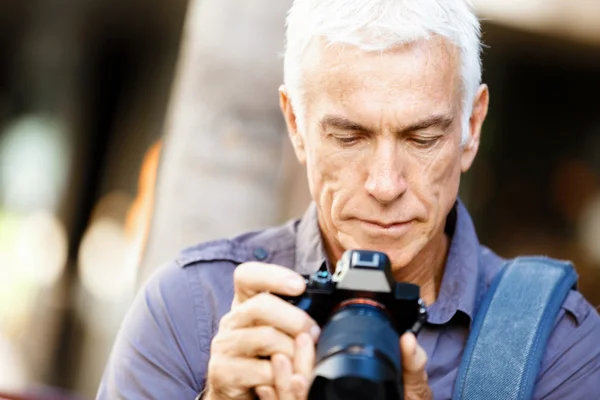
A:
x: 299, y: 386
x: 252, y: 278
x: 253, y: 342
x: 304, y: 359
x: 267, y: 309
x: 282, y: 369
x: 414, y: 375
x: 266, y: 393
x: 414, y: 358
x: 239, y: 374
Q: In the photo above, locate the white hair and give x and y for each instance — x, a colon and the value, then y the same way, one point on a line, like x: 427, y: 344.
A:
x: 377, y: 25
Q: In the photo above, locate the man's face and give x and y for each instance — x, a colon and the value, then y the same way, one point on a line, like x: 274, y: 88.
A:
x: 382, y: 144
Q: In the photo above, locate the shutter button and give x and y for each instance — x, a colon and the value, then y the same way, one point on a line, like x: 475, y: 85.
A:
x: 260, y: 254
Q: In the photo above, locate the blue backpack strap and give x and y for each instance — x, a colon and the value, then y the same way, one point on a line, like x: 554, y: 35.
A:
x: 510, y: 331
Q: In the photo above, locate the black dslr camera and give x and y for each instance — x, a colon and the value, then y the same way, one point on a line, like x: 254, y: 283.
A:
x: 362, y: 311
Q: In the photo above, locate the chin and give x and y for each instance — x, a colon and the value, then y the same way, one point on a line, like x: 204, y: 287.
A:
x: 399, y: 252
x: 399, y: 261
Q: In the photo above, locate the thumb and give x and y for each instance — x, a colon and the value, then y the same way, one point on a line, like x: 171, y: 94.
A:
x: 414, y: 361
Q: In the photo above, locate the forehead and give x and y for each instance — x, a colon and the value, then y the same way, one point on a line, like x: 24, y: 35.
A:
x: 423, y: 76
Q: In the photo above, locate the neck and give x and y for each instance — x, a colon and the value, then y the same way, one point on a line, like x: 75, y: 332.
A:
x: 425, y: 270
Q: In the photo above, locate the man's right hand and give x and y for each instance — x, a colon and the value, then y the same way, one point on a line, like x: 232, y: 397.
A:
x: 258, y: 326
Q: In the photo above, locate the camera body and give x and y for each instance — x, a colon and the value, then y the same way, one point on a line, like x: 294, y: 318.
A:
x: 362, y: 277
x: 362, y: 311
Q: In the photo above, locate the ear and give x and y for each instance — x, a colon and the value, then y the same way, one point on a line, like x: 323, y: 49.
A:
x: 480, y: 109
x: 296, y: 137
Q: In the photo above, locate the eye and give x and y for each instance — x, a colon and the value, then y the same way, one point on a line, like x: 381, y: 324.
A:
x: 347, y: 141
x: 424, y: 143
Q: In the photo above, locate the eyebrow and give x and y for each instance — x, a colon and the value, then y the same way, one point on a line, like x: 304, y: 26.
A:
x: 342, y: 123
x: 437, y: 121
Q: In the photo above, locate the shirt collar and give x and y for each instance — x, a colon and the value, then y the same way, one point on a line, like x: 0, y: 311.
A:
x: 310, y: 252
x: 460, y: 282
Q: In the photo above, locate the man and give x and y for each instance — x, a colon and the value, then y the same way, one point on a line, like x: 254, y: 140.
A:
x: 384, y: 107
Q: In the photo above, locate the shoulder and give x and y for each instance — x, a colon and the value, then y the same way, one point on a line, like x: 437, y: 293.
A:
x: 216, y: 259
x: 491, y: 263
x: 273, y: 245
x: 571, y: 363
x: 205, y: 271
x: 575, y: 305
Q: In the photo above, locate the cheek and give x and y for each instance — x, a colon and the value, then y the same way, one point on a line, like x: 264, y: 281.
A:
x: 333, y: 176
x: 435, y: 180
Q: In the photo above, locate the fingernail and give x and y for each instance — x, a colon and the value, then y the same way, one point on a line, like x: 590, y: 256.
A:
x: 315, y: 331
x: 296, y: 284
x: 262, y: 392
x: 414, y: 343
x: 408, y: 343
x: 305, y: 340
x: 299, y: 385
x: 281, y: 362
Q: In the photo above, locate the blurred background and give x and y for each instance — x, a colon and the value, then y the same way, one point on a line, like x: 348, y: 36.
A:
x: 131, y: 129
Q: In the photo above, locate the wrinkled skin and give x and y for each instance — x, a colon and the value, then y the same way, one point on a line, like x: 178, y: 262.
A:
x: 382, y: 148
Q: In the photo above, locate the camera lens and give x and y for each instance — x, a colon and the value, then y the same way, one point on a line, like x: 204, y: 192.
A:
x: 358, y: 357
x: 353, y: 388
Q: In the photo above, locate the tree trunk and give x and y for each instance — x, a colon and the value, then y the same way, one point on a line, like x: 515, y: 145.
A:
x: 226, y: 157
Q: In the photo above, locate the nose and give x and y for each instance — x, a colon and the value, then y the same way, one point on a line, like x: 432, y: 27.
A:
x: 385, y: 181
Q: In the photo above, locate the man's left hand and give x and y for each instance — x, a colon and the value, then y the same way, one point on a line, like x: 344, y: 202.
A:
x: 414, y: 376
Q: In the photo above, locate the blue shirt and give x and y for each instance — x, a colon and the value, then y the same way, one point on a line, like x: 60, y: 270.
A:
x: 163, y: 346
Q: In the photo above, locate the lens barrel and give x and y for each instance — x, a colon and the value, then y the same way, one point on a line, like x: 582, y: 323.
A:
x: 358, y: 357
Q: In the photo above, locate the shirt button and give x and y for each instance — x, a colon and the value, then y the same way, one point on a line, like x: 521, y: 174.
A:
x: 261, y: 254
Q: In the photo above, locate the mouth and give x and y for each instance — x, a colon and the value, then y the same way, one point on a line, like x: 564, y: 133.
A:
x: 393, y: 227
